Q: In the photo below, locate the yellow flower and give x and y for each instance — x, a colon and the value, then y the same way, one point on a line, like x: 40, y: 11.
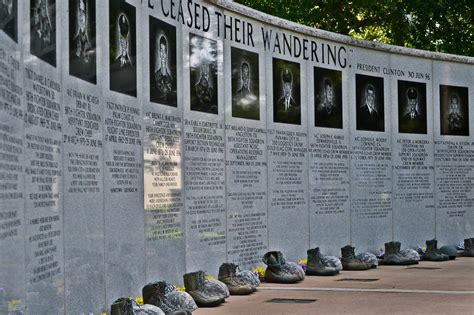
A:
x: 303, y: 262
x: 139, y: 300
x: 260, y: 271
x: 210, y: 278
x: 178, y: 288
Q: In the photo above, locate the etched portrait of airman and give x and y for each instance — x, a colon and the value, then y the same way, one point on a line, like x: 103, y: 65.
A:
x: 43, y: 30
x: 82, y: 41
x: 412, y: 107
x: 286, y: 92
x: 203, y: 71
x: 454, y: 110
x: 123, y: 71
x: 370, y: 103
x: 327, y: 98
x: 163, y: 79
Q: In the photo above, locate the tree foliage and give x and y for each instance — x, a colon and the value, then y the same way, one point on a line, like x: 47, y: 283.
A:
x: 436, y: 25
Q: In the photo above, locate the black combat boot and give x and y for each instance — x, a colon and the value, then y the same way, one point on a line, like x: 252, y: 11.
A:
x: 318, y: 265
x: 204, y: 292
x: 166, y: 297
x: 432, y: 253
x: 469, y: 247
x: 279, y: 271
x: 393, y: 256
x: 227, y: 275
x: 350, y: 262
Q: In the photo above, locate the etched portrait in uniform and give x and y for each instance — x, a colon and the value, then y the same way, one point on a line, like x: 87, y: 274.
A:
x: 123, y: 47
x: 245, y: 84
x: 370, y: 114
x: 163, y: 79
x: 286, y: 92
x: 203, y: 74
x: 43, y: 30
x: 9, y: 18
x: 82, y: 40
x: 412, y: 107
x: 327, y: 98
x: 454, y: 110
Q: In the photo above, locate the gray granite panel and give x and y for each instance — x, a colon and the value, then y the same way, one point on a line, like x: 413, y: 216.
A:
x: 412, y: 151
x: 204, y: 154
x: 162, y: 148
x: 454, y: 151
x: 287, y: 143
x: 12, y: 189
x: 245, y: 135
x: 371, y: 157
x: 83, y: 160
x: 123, y: 152
x: 43, y: 158
x: 329, y: 156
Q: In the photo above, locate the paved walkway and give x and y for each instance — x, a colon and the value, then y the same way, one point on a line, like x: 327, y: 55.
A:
x: 426, y: 288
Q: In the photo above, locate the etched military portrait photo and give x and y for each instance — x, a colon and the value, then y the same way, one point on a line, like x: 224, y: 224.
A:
x: 286, y: 92
x: 203, y: 74
x: 9, y: 18
x: 327, y: 98
x: 162, y: 63
x: 454, y: 110
x: 412, y: 107
x: 245, y: 84
x: 370, y: 114
x: 123, y: 47
x: 43, y: 30
x: 82, y: 40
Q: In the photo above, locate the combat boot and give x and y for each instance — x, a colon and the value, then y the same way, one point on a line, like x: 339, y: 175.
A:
x: 350, y: 262
x: 227, y: 275
x: 317, y: 265
x: 127, y: 306
x: 432, y: 253
x: 279, y: 271
x: 393, y: 256
x: 469, y: 247
x: 166, y: 297
x: 202, y: 291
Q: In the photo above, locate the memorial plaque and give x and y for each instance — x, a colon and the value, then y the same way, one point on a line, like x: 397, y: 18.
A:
x: 123, y: 152
x: 245, y: 135
x: 371, y: 156
x: 329, y: 157
x: 204, y: 155
x: 453, y: 92
x: 12, y: 188
x: 43, y: 132
x: 163, y: 154
x: 412, y: 151
x: 83, y: 161
x: 287, y: 143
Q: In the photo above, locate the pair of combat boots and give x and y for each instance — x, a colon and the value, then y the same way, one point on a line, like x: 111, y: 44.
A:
x: 362, y: 261
x: 168, y: 299
x: 432, y: 252
x: 321, y: 265
x: 241, y: 283
x: 469, y: 247
x: 393, y: 255
x: 127, y: 306
x: 279, y: 270
x: 205, y: 292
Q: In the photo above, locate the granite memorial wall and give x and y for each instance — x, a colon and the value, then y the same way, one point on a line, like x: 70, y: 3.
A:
x: 140, y: 140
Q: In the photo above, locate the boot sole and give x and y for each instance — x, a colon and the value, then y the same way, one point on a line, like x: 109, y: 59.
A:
x: 211, y: 304
x: 322, y: 274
